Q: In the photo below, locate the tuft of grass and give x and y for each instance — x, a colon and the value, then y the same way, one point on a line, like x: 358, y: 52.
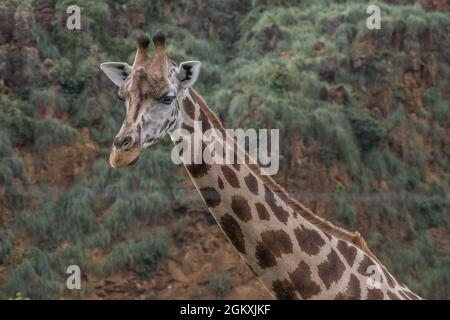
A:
x: 220, y: 283
x: 6, y: 245
x: 142, y: 256
x: 51, y: 132
x: 16, y: 117
x: 49, y: 100
x: 333, y: 131
x: 440, y: 107
x: 33, y: 277
x: 368, y: 131
x: 68, y: 217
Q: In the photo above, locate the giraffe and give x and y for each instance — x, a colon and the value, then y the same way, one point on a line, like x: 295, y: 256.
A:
x: 294, y: 253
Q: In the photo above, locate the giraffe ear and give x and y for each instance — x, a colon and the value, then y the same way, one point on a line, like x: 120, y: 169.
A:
x: 116, y: 71
x: 188, y: 72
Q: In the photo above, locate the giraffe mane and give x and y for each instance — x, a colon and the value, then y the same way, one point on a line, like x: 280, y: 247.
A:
x: 323, y: 224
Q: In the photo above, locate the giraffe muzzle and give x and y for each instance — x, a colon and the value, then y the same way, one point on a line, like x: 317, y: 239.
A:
x: 125, y: 143
x: 125, y: 151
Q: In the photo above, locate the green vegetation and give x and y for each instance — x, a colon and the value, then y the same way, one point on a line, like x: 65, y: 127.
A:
x: 69, y: 217
x: 344, y: 212
x: 50, y: 132
x: 440, y: 108
x: 6, y: 245
x: 49, y: 101
x: 13, y: 175
x: 33, y: 277
x: 219, y: 283
x: 366, y: 113
x: 368, y: 131
x: 142, y: 256
x: 16, y: 117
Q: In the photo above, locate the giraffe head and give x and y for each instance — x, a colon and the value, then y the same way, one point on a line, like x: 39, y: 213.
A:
x: 150, y: 89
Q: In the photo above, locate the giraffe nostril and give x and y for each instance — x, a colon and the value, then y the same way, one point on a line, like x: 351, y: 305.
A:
x: 125, y: 143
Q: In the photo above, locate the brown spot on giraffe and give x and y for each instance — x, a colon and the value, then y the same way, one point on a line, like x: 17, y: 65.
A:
x: 281, y: 214
x: 220, y: 183
x: 189, y: 108
x: 206, y: 113
x: 263, y: 214
x: 392, y: 295
x: 187, y: 127
x: 252, y: 183
x: 211, y: 196
x: 349, y: 252
x: 331, y: 270
x: 233, y: 231
x: 364, y: 266
x: 264, y: 256
x: 374, y: 294
x: 164, y: 126
x: 172, y: 123
x: 236, y: 166
x: 339, y: 296
x: 204, y: 121
x: 278, y: 242
x: 283, y: 290
x: 198, y: 170
x: 136, y: 111
x: 230, y: 176
x: 309, y: 240
x: 301, y: 278
x: 240, y: 207
x: 353, y: 289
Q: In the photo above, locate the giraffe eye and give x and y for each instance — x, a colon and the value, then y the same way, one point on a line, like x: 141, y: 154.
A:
x: 167, y: 99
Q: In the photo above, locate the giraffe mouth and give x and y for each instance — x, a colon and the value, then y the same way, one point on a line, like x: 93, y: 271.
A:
x: 120, y: 158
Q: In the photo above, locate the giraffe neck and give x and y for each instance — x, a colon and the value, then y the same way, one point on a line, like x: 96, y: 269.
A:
x: 296, y: 254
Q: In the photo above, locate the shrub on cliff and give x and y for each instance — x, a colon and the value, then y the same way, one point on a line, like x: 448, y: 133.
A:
x: 6, y: 245
x: 13, y: 175
x: 330, y: 127
x: 368, y: 131
x: 440, y: 107
x: 142, y: 255
x: 49, y: 101
x: 70, y: 217
x: 51, y: 132
x: 220, y: 283
x: 16, y: 117
x: 33, y: 277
